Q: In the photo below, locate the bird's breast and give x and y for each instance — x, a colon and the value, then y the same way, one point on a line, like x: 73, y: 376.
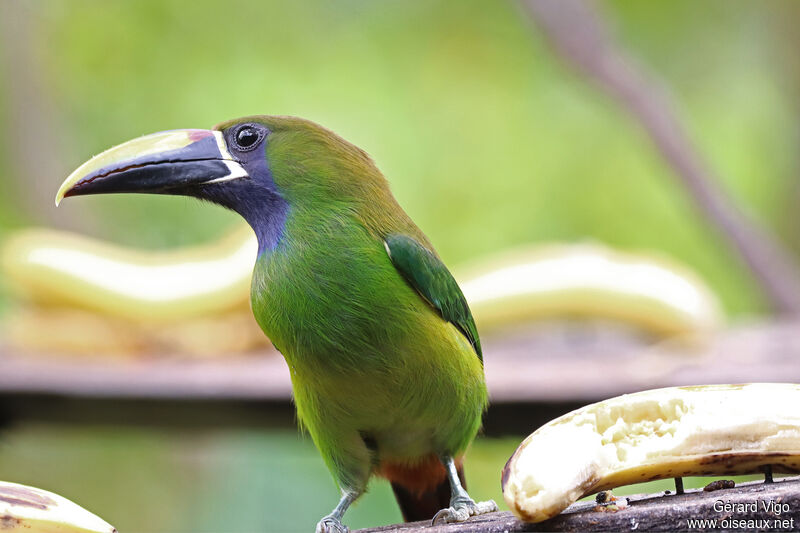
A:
x: 335, y: 307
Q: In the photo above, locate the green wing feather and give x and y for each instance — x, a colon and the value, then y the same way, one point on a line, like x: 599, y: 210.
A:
x: 431, y: 279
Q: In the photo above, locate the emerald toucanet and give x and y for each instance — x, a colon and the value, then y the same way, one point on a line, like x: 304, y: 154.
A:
x: 384, y: 355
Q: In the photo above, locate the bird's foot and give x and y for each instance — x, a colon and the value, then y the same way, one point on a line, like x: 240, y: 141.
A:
x: 461, y: 509
x: 331, y: 524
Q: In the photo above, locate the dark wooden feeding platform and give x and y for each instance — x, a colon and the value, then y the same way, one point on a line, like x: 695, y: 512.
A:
x: 533, y: 376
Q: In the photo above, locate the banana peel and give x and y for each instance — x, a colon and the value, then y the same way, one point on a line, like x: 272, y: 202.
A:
x: 657, y: 434
x: 33, y: 510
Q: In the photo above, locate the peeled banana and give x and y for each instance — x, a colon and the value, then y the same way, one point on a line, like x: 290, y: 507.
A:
x: 656, y: 434
x: 35, y: 510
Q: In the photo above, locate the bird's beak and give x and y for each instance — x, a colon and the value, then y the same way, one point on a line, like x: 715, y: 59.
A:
x: 167, y: 162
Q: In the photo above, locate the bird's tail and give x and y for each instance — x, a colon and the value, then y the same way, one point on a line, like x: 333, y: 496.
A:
x: 422, y: 489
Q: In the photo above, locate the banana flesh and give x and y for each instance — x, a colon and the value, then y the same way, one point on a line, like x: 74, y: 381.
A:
x: 657, y: 434
x: 33, y: 510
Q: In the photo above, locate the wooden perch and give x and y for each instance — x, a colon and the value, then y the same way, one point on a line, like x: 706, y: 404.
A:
x: 651, y: 512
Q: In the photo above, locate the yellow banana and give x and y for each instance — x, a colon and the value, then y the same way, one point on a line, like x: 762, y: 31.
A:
x: 94, y: 297
x: 32, y: 510
x: 590, y: 280
x: 54, y: 268
x: 657, y: 434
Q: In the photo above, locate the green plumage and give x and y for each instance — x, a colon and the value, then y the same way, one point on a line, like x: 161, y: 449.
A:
x: 383, y: 352
x: 384, y: 355
x: 428, y: 275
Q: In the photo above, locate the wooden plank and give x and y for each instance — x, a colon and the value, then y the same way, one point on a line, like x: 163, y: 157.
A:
x: 777, y: 508
x: 262, y: 376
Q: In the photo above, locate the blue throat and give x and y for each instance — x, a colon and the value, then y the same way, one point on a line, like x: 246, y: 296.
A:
x: 266, y: 212
x: 256, y: 199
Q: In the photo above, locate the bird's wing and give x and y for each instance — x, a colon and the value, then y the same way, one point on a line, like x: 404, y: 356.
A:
x: 431, y: 279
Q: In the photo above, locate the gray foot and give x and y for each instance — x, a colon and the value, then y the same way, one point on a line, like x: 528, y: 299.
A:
x: 331, y: 524
x: 461, y: 509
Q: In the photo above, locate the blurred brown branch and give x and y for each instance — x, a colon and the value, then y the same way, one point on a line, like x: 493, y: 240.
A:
x: 38, y: 140
x: 577, y: 32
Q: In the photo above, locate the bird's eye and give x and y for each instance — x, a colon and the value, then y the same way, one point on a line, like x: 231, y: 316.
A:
x: 247, y: 137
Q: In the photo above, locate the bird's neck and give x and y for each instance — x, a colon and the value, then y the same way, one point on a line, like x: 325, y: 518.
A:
x: 267, y: 216
x: 264, y: 209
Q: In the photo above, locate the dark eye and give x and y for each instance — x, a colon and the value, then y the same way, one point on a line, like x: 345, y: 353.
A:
x: 247, y: 137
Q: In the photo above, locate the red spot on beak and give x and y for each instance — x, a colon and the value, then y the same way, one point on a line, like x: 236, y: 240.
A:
x: 196, y: 135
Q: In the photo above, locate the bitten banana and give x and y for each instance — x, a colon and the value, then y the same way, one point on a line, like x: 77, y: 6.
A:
x: 657, y: 434
x: 35, y: 510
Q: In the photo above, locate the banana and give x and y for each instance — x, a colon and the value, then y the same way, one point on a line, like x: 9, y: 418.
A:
x: 657, y: 434
x: 35, y: 510
x: 590, y: 280
x: 59, y: 269
x: 54, y: 268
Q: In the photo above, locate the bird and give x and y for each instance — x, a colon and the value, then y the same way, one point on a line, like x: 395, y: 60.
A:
x: 384, y: 355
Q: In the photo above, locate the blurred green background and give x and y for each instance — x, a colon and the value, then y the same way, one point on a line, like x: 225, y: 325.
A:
x: 487, y: 139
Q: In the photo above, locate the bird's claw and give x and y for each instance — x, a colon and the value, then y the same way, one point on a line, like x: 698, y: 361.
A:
x: 462, y: 509
x: 450, y: 514
x: 331, y: 524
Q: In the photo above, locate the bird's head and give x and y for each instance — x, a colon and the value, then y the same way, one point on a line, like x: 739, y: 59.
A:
x: 262, y: 167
